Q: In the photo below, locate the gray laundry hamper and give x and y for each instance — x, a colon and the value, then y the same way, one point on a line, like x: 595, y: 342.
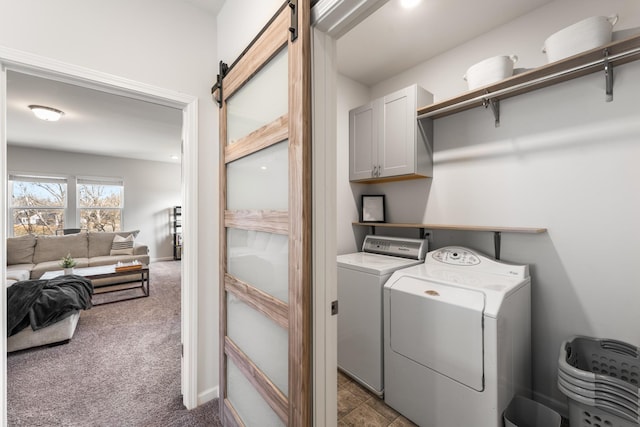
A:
x: 601, y: 378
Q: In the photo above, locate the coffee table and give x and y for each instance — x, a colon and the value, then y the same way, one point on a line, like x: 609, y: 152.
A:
x: 109, y: 271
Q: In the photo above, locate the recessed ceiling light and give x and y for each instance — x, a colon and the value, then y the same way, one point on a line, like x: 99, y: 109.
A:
x: 408, y: 4
x: 174, y: 157
x: 46, y: 113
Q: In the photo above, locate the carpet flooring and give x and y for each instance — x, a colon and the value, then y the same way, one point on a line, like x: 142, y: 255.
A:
x: 121, y: 368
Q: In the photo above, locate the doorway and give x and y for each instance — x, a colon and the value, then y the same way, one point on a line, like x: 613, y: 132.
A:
x: 21, y: 62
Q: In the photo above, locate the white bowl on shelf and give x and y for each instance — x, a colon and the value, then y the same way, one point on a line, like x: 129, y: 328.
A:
x: 490, y: 70
x: 585, y: 35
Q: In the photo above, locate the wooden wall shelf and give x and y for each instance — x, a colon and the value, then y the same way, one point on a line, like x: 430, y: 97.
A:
x: 600, y: 59
x: 423, y: 227
x: 528, y: 230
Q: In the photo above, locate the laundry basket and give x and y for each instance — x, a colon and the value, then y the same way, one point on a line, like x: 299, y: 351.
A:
x: 597, y: 390
x: 601, y: 378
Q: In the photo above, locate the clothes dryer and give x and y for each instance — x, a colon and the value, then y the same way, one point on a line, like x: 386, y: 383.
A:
x: 361, y: 276
x: 457, y: 337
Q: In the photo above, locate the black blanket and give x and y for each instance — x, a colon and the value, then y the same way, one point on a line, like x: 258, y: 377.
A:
x: 40, y: 303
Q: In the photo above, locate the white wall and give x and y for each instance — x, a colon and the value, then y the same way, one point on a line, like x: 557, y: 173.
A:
x: 233, y: 38
x: 350, y: 94
x: 562, y: 159
x: 151, y: 188
x: 164, y: 43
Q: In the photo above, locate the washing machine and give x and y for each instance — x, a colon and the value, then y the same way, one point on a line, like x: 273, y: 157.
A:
x: 361, y: 276
x: 457, y: 338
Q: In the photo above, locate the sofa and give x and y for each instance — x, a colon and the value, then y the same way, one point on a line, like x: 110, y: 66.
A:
x: 59, y: 333
x: 29, y: 257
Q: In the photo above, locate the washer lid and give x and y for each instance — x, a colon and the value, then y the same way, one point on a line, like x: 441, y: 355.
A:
x: 374, y: 263
x: 439, y: 327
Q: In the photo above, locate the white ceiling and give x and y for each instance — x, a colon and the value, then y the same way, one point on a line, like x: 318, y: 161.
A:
x: 94, y: 122
x: 391, y: 40
x: 394, y: 39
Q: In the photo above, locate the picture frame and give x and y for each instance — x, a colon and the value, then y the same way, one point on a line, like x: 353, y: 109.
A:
x: 373, y: 208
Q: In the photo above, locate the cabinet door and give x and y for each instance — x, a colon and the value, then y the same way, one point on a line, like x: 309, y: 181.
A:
x: 363, y: 142
x: 397, y: 152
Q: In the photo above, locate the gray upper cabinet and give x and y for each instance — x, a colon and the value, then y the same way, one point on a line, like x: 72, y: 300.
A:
x: 385, y: 141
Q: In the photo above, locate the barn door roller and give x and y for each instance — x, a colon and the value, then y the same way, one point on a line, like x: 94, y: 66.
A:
x: 224, y: 68
x: 293, y: 29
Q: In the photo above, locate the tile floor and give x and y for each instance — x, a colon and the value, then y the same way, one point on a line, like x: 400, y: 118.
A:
x: 357, y: 406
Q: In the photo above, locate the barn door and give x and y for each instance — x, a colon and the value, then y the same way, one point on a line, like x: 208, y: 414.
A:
x: 265, y: 330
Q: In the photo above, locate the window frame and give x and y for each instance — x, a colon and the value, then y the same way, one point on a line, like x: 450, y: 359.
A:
x: 71, y: 209
x: 99, y: 180
x: 31, y: 177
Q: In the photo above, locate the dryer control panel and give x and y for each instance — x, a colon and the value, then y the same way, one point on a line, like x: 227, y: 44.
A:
x: 456, y: 256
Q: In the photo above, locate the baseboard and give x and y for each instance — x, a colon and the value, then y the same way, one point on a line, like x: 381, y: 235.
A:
x: 560, y: 407
x: 208, y: 395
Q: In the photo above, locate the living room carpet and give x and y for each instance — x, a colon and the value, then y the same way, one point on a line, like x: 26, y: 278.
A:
x: 121, y: 368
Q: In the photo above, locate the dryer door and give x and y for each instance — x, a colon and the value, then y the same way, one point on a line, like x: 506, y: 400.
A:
x: 439, y: 327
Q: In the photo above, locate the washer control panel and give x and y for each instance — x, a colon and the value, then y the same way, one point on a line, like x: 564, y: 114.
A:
x: 456, y: 256
x: 395, y: 246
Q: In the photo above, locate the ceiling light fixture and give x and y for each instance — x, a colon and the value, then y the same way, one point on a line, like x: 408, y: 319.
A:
x: 408, y: 4
x: 46, y: 113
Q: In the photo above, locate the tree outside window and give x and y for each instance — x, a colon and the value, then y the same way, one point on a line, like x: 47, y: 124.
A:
x: 100, y: 204
x: 40, y: 204
x: 37, y: 204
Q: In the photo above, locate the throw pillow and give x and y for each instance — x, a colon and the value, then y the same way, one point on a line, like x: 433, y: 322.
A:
x: 122, y: 245
x: 126, y: 233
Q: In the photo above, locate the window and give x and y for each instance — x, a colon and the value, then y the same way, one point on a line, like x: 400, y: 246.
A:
x: 37, y: 204
x: 100, y: 203
x: 47, y: 204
